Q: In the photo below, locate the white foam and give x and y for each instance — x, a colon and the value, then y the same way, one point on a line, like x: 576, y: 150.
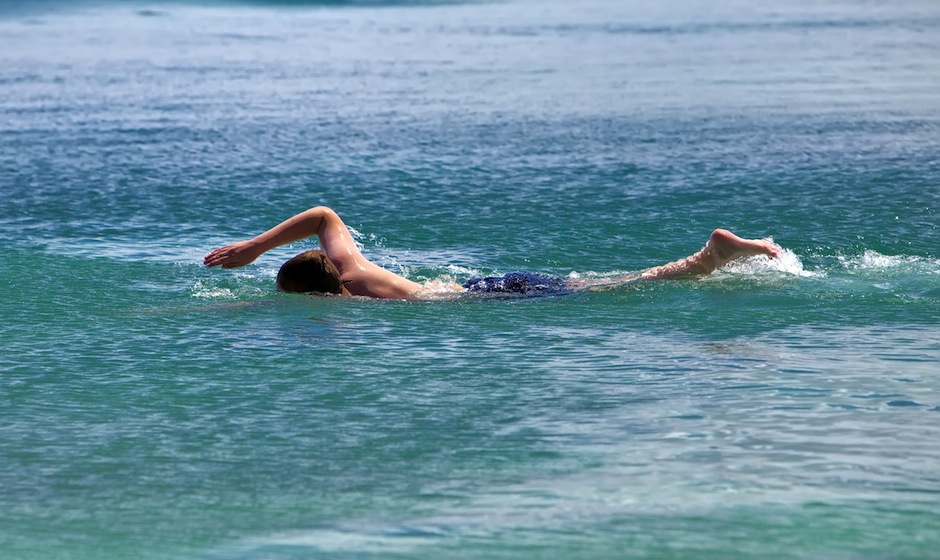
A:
x: 788, y: 263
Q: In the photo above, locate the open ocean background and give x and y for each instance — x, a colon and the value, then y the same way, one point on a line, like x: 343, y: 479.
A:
x: 151, y: 408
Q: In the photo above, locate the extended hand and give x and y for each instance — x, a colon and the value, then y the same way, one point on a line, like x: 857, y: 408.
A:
x: 233, y: 255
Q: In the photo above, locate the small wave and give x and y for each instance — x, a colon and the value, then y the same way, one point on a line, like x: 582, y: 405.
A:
x: 150, y: 13
x: 701, y: 27
x: 461, y: 271
x: 873, y: 260
x: 327, y: 539
x: 164, y: 250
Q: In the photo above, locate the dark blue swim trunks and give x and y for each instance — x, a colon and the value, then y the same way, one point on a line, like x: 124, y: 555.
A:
x: 523, y: 283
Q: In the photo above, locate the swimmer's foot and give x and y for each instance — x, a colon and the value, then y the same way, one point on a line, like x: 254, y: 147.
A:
x: 726, y: 247
x: 722, y: 248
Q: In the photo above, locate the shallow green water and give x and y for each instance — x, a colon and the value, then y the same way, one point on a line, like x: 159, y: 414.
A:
x: 152, y: 408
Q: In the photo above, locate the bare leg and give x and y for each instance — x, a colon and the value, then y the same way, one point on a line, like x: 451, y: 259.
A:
x: 722, y: 248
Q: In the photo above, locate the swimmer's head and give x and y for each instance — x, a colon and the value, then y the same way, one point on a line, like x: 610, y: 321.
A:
x: 310, y: 271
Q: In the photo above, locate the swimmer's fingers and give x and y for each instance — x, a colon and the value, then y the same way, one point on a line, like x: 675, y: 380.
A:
x: 232, y: 256
x: 773, y: 250
x: 225, y: 261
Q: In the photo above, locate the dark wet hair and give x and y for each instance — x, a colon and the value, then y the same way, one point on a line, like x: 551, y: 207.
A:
x: 310, y: 271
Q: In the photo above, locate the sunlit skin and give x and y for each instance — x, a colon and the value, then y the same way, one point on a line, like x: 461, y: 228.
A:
x: 361, y: 277
x: 722, y: 248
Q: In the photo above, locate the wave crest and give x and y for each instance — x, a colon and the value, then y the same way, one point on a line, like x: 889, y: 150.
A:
x: 873, y: 260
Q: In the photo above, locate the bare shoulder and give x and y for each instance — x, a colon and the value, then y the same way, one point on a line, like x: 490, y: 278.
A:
x: 360, y: 276
x: 370, y: 280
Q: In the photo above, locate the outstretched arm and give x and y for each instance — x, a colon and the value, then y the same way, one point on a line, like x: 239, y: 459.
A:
x: 335, y: 239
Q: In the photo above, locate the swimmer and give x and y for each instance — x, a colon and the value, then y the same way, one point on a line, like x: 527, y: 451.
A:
x: 341, y: 269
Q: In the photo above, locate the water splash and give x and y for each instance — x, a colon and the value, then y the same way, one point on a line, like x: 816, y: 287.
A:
x: 357, y: 237
x: 202, y: 290
x: 787, y: 263
x: 242, y: 287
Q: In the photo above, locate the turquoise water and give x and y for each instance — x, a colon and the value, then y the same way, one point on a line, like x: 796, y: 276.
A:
x: 152, y: 408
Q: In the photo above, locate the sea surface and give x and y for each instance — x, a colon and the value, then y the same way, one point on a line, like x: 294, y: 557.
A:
x: 151, y: 408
